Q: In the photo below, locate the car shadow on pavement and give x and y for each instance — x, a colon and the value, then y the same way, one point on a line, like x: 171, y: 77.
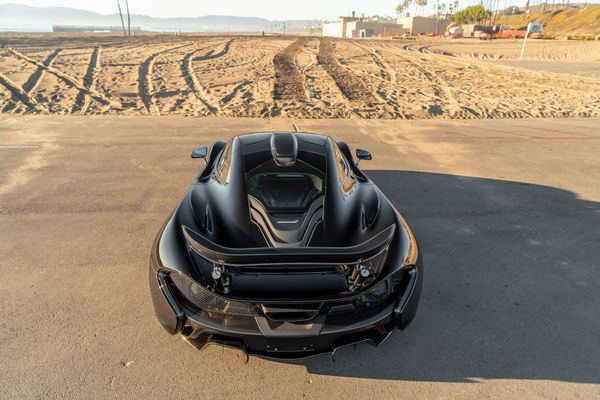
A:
x: 511, y: 290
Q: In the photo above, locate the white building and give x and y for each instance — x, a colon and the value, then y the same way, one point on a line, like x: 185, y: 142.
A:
x: 353, y: 27
x: 423, y: 25
x: 338, y: 29
x: 362, y: 28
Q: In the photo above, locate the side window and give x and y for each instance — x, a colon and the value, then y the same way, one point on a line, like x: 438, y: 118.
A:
x: 345, y: 174
x: 224, y: 163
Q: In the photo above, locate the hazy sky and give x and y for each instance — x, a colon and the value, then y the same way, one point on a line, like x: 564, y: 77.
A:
x: 271, y: 9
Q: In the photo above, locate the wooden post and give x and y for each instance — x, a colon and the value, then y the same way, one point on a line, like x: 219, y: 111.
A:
x: 121, y: 15
x: 128, y: 19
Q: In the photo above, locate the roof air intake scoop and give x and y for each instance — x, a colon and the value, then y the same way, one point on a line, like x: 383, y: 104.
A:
x: 284, y: 148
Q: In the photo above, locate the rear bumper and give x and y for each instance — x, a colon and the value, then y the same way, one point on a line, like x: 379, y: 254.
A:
x: 260, y: 336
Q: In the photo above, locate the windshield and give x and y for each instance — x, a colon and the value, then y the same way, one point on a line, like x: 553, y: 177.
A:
x: 291, y: 188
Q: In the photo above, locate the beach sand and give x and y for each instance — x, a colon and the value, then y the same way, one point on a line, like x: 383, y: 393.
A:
x: 298, y: 77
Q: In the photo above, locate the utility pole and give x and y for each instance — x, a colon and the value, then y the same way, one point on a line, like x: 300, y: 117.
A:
x: 497, y: 12
x: 437, y: 16
x: 128, y: 19
x: 121, y: 15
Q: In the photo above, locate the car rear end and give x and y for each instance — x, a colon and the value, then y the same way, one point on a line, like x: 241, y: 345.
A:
x: 288, y: 310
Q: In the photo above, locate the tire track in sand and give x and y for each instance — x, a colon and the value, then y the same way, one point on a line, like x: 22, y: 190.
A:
x: 351, y: 86
x: 33, y: 81
x: 145, y: 87
x: 441, y: 88
x: 387, y: 89
x: 191, y: 79
x: 487, y: 108
x: 70, y: 80
x: 211, y: 54
x: 387, y: 73
x: 289, y: 81
x: 82, y: 102
x: 18, y: 93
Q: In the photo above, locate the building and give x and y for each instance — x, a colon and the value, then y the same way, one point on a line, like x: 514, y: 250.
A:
x: 338, y: 29
x: 354, y: 27
x: 424, y: 25
x: 470, y: 30
x: 363, y: 28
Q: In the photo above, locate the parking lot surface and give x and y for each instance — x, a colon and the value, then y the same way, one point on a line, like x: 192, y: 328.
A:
x: 507, y: 214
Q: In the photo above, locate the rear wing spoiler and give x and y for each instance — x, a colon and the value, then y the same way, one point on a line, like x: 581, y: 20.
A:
x: 263, y: 256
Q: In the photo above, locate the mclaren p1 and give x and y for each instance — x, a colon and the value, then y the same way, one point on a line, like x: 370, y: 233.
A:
x: 282, y: 247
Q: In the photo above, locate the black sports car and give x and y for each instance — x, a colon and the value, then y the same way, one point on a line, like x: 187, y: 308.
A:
x: 283, y: 248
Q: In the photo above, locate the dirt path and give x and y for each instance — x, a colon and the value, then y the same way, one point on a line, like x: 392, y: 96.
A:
x: 18, y: 93
x: 350, y: 85
x: 33, y: 81
x: 289, y: 81
x: 197, y: 89
x: 82, y: 102
x: 145, y: 85
x: 68, y: 79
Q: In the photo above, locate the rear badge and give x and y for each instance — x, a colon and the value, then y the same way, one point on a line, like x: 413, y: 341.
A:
x: 289, y: 221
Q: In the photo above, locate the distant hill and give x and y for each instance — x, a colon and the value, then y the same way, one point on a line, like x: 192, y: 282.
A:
x: 573, y: 20
x: 22, y: 17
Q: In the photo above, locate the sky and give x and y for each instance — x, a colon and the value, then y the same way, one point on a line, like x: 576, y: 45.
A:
x: 270, y: 9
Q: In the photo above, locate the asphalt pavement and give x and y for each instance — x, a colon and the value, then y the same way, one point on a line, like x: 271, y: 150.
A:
x: 507, y: 214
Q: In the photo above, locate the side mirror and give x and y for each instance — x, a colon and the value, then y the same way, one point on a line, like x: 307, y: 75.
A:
x: 362, y: 155
x: 200, y: 153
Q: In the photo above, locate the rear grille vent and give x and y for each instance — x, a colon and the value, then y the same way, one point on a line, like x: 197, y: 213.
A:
x: 202, y: 298
x: 291, y: 314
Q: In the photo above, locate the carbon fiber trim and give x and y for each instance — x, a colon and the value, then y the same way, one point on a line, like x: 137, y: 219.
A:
x: 199, y: 296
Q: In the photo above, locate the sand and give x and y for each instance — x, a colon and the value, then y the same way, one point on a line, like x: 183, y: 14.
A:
x: 510, y: 49
x: 298, y: 77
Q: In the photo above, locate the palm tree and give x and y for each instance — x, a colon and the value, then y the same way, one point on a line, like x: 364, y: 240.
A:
x: 422, y: 4
x: 406, y: 4
x: 399, y: 9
